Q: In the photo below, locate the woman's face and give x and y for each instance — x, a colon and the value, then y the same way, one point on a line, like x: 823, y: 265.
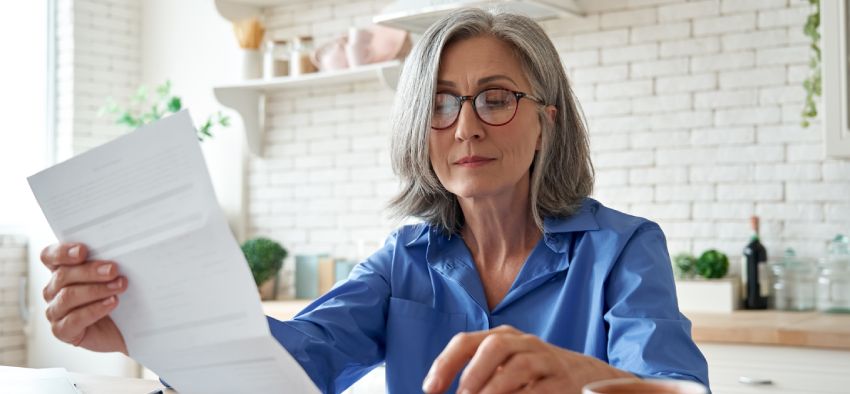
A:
x: 471, y: 158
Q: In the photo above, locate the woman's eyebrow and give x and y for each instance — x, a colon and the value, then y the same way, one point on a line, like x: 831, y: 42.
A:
x: 481, y: 81
x: 492, y: 78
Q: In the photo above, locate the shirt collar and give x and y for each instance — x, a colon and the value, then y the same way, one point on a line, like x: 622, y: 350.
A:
x: 584, y: 219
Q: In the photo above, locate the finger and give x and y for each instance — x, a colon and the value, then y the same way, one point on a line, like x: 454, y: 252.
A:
x: 72, y: 328
x: 519, y: 372
x: 549, y: 386
x: 57, y: 255
x: 495, y: 350
x: 450, y: 361
x: 74, y: 296
x: 96, y: 271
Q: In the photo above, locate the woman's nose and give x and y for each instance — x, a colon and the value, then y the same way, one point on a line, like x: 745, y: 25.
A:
x: 468, y: 126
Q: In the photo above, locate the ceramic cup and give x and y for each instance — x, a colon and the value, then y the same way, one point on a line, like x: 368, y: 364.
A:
x: 331, y: 56
x: 357, y: 48
x: 644, y: 386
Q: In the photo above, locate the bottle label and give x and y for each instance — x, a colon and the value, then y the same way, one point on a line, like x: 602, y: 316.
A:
x: 743, y: 277
x: 764, y: 287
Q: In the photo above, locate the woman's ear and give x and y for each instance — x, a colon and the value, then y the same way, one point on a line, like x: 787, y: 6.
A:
x: 551, y: 112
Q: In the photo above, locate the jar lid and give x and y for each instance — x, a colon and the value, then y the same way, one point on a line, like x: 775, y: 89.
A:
x: 791, y: 263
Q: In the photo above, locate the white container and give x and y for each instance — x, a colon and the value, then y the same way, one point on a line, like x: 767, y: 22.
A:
x: 252, y: 64
x: 708, y: 295
x: 276, y: 60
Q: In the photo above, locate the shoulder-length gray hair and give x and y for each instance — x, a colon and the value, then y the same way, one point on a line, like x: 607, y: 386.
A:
x: 561, y: 173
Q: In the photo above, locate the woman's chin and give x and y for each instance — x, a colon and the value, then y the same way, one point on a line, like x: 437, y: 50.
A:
x: 478, y: 191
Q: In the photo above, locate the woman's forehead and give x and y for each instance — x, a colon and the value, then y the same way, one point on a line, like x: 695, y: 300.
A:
x: 480, y: 60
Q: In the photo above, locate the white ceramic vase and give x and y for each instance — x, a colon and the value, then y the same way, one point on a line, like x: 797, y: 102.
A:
x: 252, y: 64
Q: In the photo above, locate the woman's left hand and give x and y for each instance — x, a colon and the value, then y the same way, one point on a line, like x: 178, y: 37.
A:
x: 506, y: 360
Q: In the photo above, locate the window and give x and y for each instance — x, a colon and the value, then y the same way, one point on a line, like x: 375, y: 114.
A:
x: 836, y: 77
x: 24, y: 122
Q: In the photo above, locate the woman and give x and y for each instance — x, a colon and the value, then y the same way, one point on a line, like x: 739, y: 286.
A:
x: 515, y: 280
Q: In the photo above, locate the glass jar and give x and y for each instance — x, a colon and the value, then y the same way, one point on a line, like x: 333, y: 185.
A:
x: 834, y: 277
x: 300, y: 61
x: 793, y: 287
x: 276, y: 62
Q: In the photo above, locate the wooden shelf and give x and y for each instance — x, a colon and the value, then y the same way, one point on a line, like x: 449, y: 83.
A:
x: 418, y: 18
x: 248, y: 97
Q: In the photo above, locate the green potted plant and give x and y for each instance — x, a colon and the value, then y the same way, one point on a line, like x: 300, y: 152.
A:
x: 812, y: 83
x: 712, y: 264
x: 265, y: 258
x: 702, y: 284
x: 684, y: 265
x: 144, y: 108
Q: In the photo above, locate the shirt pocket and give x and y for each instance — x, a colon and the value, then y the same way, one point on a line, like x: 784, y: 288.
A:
x: 416, y: 335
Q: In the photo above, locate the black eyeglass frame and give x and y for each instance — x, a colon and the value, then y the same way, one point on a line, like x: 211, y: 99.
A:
x: 461, y: 99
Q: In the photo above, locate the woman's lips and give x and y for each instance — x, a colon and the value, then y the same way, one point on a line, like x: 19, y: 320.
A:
x: 473, y: 161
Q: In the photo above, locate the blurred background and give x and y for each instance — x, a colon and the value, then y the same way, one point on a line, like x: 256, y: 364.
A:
x: 726, y: 121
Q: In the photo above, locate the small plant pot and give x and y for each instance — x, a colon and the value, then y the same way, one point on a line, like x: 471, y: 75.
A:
x: 267, y: 290
x: 708, y: 295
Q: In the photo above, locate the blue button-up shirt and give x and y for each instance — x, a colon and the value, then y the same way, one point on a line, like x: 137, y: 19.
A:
x: 599, y: 282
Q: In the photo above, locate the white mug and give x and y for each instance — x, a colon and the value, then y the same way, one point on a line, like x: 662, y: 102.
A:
x: 644, y: 386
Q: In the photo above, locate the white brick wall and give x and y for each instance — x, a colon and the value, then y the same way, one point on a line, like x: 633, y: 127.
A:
x: 97, y: 51
x: 13, y: 266
x: 693, y: 109
x: 98, y: 57
x: 727, y: 78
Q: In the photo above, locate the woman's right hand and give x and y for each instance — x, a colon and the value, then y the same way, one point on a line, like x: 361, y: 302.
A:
x: 80, y: 295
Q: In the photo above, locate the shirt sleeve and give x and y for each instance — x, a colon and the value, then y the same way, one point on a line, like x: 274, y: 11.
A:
x: 340, y: 337
x: 647, y: 335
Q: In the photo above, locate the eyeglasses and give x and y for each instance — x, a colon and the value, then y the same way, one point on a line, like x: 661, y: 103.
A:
x: 495, y: 107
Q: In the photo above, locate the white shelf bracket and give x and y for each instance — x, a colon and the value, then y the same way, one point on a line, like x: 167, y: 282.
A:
x: 389, y: 76
x: 250, y: 106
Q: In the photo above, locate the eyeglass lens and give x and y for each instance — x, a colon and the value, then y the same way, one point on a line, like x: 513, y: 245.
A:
x: 495, y: 107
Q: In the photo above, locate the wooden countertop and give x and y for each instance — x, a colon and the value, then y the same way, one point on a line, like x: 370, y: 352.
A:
x: 805, y: 329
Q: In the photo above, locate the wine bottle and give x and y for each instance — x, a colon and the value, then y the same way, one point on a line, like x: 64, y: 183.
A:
x: 754, y: 271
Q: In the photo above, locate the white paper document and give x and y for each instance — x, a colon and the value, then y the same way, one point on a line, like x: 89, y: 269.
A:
x: 191, y: 312
x: 15, y: 380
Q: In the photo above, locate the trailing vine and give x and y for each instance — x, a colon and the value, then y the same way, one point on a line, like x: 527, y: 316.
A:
x: 812, y: 84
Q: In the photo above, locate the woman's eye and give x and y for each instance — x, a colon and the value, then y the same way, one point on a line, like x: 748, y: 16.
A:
x: 443, y: 108
x: 496, y: 99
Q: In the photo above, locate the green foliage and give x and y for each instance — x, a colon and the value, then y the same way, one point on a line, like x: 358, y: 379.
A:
x: 712, y: 264
x: 144, y: 108
x: 265, y: 257
x: 685, y: 265
x: 812, y: 84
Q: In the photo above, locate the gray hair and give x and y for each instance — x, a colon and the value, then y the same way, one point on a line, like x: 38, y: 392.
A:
x: 561, y: 173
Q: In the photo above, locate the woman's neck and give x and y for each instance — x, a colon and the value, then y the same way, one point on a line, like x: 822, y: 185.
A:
x: 499, y: 230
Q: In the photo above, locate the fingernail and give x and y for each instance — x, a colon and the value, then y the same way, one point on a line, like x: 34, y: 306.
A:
x: 74, y: 252
x: 109, y: 301
x: 115, y: 284
x: 104, y: 269
x: 429, y: 384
